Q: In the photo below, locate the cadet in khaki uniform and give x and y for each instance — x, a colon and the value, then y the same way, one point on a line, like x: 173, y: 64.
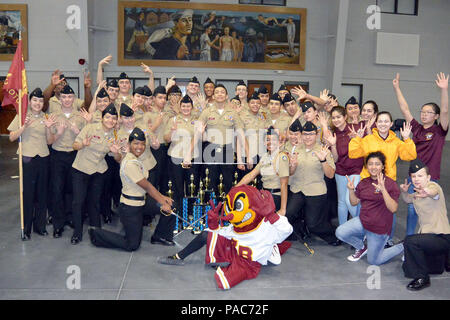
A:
x: 274, y: 170
x: 174, y: 96
x: 128, y: 123
x: 291, y: 107
x: 148, y: 99
x: 220, y: 122
x: 124, y: 91
x: 198, y: 100
x: 135, y: 186
x: 242, y: 94
x: 156, y: 122
x: 92, y: 143
x: 69, y: 123
x: 179, y: 132
x: 35, y: 135
x: 99, y: 104
x: 112, y: 88
x: 255, y: 127
x: 138, y: 103
x: 282, y: 91
x: 278, y: 118
x: 264, y: 96
x: 58, y: 82
x: 308, y: 190
x: 208, y: 90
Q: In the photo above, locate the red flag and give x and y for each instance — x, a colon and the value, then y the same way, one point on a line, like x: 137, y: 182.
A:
x: 15, y: 80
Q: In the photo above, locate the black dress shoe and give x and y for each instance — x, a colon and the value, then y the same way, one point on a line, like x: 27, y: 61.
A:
x: 57, y: 233
x: 162, y: 241
x: 92, y: 236
x: 335, y: 243
x: 42, y: 233
x: 75, y: 240
x: 418, y: 284
x: 26, y: 237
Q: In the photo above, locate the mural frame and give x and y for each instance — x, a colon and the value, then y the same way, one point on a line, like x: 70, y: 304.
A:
x: 299, y: 13
x: 23, y: 8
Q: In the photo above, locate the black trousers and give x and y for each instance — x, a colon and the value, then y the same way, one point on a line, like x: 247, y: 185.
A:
x: 180, y: 178
x: 131, y: 219
x: 315, y: 214
x: 225, y: 166
x: 86, y: 187
x: 61, y: 176
x: 112, y: 186
x: 35, y: 185
x: 161, y: 168
x: 425, y: 254
x: 331, y: 197
x: 50, y: 200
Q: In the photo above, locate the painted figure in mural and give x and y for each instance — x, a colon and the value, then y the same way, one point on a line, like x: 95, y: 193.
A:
x: 290, y: 28
x: 206, y: 44
x: 175, y: 43
x: 226, y: 46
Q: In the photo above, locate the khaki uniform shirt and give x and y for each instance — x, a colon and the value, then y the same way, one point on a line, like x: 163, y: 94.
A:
x: 272, y: 168
x: 181, y: 137
x: 255, y: 127
x: 91, y: 159
x: 96, y: 117
x: 54, y: 105
x: 309, y: 176
x: 132, y: 170
x: 282, y: 123
x: 34, y: 138
x: 138, y: 114
x: 128, y: 99
x: 432, y: 212
x: 149, y: 118
x: 147, y: 158
x: 220, y: 127
x: 66, y: 140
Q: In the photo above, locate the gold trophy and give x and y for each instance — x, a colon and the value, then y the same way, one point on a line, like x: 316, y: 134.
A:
x: 221, y: 188
x: 201, y: 193
x: 169, y: 193
x: 191, y: 187
x: 235, y: 182
x: 207, y: 179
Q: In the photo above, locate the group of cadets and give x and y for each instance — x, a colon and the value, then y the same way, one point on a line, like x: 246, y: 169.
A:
x: 79, y: 157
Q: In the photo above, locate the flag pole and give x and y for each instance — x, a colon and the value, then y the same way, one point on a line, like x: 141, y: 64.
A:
x: 21, y: 167
x: 22, y: 228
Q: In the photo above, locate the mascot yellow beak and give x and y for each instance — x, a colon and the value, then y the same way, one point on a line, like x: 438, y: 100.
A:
x: 238, y: 207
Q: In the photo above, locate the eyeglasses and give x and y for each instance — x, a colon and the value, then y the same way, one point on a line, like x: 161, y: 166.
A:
x: 427, y: 112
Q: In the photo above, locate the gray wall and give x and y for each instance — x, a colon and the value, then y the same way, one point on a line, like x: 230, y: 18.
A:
x: 52, y: 47
x: 417, y: 83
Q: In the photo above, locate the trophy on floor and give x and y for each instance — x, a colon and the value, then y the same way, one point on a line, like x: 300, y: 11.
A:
x: 188, y: 203
x: 198, y: 210
x: 209, y: 192
x: 236, y: 176
x: 221, y: 189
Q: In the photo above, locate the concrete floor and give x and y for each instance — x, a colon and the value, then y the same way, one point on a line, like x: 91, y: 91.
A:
x: 38, y: 269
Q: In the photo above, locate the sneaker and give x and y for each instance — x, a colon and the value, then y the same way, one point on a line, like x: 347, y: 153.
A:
x: 275, y: 257
x: 172, y: 260
x: 358, y: 254
x: 389, y: 244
